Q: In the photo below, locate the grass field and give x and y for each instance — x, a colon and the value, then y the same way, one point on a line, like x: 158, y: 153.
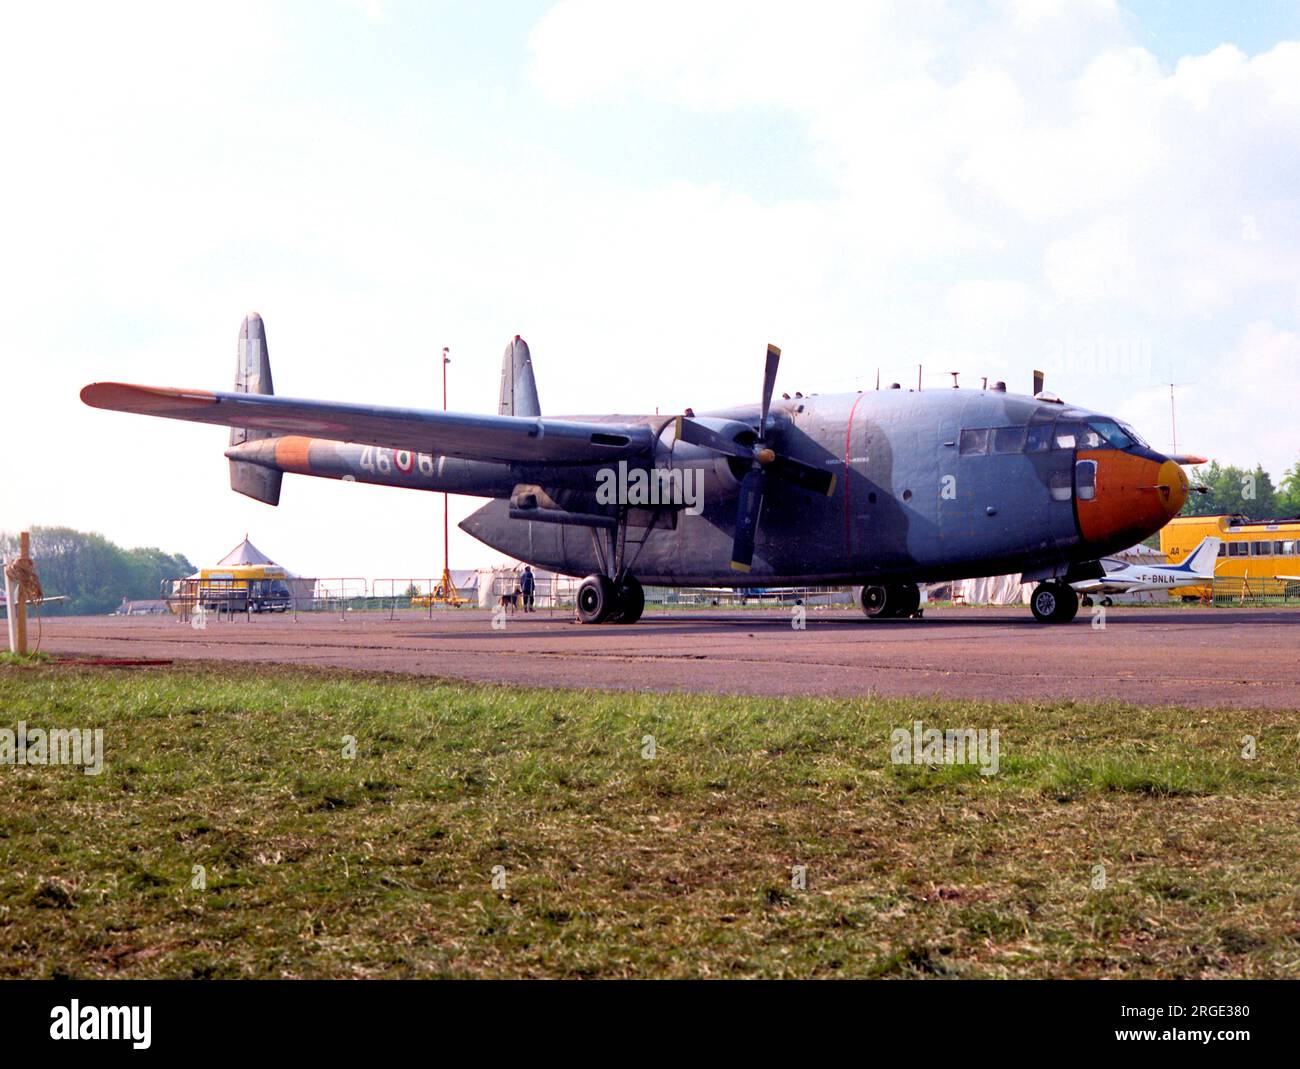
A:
x: 315, y: 864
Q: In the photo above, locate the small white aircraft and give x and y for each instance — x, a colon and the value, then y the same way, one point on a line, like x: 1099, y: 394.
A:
x: 1123, y: 578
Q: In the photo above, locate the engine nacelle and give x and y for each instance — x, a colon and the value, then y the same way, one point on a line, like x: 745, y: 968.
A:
x: 717, y: 476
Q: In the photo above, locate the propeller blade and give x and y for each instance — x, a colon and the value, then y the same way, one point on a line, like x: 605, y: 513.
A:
x: 769, y: 383
x: 749, y: 504
x: 1187, y: 458
x: 1038, y: 383
x: 698, y: 434
x: 805, y: 476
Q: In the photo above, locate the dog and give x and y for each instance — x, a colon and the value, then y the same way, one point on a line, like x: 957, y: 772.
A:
x: 510, y: 601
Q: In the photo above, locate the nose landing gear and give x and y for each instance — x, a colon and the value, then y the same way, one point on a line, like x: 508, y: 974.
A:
x: 1054, y: 603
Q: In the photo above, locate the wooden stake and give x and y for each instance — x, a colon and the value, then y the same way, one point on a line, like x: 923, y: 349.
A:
x: 20, y: 609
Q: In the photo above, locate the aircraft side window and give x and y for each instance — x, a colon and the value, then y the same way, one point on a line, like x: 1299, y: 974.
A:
x: 1067, y: 435
x: 1059, y: 483
x: 1223, y: 549
x: 1086, y: 476
x: 1007, y: 440
x: 1238, y: 549
x: 1038, y: 438
x: 1090, y: 439
x: 974, y: 442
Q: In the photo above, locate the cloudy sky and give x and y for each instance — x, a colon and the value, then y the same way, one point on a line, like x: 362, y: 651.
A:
x: 649, y: 193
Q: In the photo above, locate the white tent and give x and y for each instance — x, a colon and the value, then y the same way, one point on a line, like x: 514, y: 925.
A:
x: 1010, y: 590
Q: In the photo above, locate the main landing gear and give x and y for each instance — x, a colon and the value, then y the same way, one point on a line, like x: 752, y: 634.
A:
x: 602, y: 601
x: 893, y: 601
x: 614, y: 595
x: 1054, y: 603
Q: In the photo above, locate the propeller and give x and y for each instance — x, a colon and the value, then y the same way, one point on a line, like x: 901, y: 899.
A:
x: 763, y: 460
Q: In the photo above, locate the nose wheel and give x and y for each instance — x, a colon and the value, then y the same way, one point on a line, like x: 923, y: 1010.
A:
x: 1054, y: 603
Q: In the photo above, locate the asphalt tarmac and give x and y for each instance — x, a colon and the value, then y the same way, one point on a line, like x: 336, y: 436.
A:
x: 1197, y: 657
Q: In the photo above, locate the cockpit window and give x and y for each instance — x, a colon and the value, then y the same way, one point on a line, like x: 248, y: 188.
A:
x: 1128, y: 429
x: 1006, y: 439
x: 1113, y: 433
x: 1039, y: 438
x: 974, y: 442
x: 1067, y: 435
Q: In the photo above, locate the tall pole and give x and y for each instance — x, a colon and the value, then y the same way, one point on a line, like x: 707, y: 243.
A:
x: 1173, y: 422
x: 446, y: 549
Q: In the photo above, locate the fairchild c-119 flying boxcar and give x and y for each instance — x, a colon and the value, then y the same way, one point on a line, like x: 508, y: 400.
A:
x: 884, y: 489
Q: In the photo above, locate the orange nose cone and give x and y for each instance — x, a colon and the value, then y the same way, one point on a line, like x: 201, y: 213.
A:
x: 1173, y: 476
x: 1134, y: 497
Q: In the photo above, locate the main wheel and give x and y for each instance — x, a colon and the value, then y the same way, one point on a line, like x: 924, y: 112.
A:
x: 906, y: 599
x: 596, y: 599
x: 875, y: 601
x: 630, y: 602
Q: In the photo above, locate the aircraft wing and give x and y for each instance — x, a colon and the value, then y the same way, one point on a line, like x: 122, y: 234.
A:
x: 472, y: 437
x: 1103, y: 586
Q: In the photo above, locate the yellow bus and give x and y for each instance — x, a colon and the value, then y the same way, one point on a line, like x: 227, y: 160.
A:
x: 1258, y: 558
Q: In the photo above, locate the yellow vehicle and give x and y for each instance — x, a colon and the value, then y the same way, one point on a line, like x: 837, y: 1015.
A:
x: 241, y: 587
x: 1258, y: 558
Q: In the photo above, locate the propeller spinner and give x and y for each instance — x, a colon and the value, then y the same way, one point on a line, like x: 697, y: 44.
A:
x: 763, y: 460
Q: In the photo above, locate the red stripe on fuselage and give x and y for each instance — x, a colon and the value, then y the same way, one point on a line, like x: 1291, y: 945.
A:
x: 848, y: 445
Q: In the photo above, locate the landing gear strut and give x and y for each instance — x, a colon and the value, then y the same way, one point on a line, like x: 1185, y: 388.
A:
x: 893, y: 601
x: 614, y: 595
x: 1054, y: 603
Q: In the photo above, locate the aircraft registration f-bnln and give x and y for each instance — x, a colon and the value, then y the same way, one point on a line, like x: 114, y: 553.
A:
x: 884, y: 489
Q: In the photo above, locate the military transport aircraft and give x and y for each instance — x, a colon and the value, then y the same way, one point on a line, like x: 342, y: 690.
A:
x: 883, y: 489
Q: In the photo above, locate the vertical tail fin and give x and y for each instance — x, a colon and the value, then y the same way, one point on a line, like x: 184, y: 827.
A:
x: 1201, y: 560
x: 518, y: 388
x: 253, y: 375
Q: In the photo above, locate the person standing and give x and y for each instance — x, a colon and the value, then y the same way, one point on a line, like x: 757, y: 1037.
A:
x: 527, y: 584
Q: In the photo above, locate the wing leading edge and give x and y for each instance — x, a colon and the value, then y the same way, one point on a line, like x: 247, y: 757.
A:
x: 508, y: 439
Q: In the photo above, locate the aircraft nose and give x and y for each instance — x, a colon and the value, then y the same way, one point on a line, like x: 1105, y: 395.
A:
x: 1133, y: 496
x: 1172, y: 485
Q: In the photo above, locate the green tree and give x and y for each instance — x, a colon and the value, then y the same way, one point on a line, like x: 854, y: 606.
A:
x: 93, y: 573
x: 1232, y: 490
x: 1288, y: 496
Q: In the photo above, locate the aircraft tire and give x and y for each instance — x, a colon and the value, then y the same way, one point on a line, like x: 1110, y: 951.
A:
x: 630, y: 602
x: 1053, y: 603
x: 1086, y: 602
x: 1069, y: 605
x: 876, y: 601
x: 596, y: 599
x: 1107, y: 602
x: 906, y: 600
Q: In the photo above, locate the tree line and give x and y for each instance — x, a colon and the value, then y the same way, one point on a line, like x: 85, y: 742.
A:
x: 1232, y: 490
x: 93, y: 573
